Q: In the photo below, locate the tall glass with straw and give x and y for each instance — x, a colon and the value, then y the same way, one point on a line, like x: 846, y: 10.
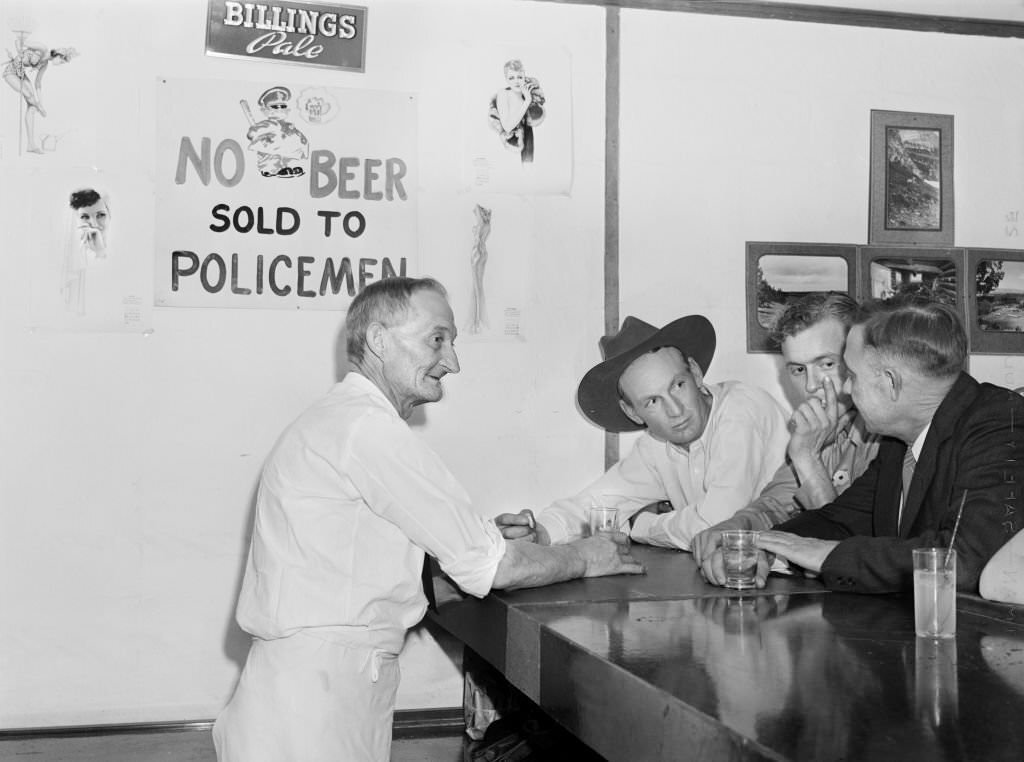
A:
x: 935, y: 587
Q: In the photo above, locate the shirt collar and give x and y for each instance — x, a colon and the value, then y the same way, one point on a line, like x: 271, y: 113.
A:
x: 361, y: 382
x: 855, y: 432
x: 919, y: 442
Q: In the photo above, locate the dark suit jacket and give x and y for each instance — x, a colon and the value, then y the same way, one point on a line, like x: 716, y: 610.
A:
x: 975, y: 443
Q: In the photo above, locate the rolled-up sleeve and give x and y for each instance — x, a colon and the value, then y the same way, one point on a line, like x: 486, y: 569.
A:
x: 417, y: 493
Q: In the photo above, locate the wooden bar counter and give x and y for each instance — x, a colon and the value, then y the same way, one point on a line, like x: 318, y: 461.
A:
x: 667, y: 667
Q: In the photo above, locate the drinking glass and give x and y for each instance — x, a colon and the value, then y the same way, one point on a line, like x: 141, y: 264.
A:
x: 935, y: 592
x: 739, y: 555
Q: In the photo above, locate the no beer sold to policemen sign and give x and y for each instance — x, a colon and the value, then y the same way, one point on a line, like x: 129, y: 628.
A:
x: 281, y: 195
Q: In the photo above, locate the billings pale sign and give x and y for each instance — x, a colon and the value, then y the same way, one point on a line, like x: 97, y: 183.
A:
x: 281, y: 195
x: 315, y: 34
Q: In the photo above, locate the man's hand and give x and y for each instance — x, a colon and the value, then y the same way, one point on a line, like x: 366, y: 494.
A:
x: 662, y: 506
x: 522, y: 526
x: 806, y: 552
x: 606, y: 553
x: 814, y: 422
x: 704, y: 544
x: 713, y: 568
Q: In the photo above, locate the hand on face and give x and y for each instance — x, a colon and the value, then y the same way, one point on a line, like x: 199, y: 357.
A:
x: 815, y: 421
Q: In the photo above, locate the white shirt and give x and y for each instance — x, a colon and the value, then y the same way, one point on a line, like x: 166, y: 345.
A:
x: 742, y: 446
x: 348, y: 502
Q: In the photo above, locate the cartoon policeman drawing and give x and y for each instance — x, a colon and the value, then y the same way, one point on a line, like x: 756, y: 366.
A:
x: 280, y: 147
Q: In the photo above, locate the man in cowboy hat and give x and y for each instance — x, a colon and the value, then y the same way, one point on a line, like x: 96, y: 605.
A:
x: 707, y: 449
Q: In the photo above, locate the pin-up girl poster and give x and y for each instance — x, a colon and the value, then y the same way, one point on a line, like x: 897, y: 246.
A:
x: 48, y: 99
x: 89, y: 272
x: 24, y: 71
x: 517, y: 116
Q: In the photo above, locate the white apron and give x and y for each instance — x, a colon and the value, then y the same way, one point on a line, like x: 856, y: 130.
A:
x: 315, y: 696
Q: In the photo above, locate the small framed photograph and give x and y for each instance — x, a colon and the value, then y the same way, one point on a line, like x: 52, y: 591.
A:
x: 995, y: 303
x: 778, y: 273
x: 911, y: 200
x: 939, y: 274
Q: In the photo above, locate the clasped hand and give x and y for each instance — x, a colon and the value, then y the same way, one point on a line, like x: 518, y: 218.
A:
x: 522, y: 526
x: 815, y: 421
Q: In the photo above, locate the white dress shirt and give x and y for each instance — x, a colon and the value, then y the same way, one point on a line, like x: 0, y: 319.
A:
x: 348, y: 502
x: 742, y: 446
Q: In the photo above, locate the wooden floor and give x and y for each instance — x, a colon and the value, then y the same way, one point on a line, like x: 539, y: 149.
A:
x: 187, y: 746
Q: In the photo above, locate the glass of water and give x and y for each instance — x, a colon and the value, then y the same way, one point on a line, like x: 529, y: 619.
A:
x: 739, y: 555
x: 935, y: 592
x: 604, y: 520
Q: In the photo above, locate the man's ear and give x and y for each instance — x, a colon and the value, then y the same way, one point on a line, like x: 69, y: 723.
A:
x: 376, y: 339
x: 893, y: 381
x: 627, y: 409
x: 695, y: 371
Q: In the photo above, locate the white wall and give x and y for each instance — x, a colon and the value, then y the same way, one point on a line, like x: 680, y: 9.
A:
x: 738, y: 130
x: 128, y: 463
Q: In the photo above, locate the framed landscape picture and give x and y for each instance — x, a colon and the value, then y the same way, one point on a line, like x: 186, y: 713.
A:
x: 778, y: 273
x: 995, y: 306
x: 911, y: 198
x: 939, y: 274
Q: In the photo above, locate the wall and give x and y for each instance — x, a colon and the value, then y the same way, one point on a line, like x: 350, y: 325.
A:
x: 128, y: 463
x: 738, y: 130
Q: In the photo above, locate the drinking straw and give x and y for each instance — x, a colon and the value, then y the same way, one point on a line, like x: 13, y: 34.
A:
x: 956, y: 526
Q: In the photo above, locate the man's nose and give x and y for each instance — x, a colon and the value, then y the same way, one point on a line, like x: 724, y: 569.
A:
x: 673, y: 407
x: 450, y: 360
x: 813, y: 382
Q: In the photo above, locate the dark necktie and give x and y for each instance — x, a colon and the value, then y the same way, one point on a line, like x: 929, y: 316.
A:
x: 908, y: 475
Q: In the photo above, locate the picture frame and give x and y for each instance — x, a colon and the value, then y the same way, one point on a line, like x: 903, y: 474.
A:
x: 995, y: 301
x: 777, y: 273
x: 937, y: 273
x: 911, y: 179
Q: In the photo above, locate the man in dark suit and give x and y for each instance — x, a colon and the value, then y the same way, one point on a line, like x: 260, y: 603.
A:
x: 953, y: 450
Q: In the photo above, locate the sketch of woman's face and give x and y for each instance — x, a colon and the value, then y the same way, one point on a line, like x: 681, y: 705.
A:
x: 94, y: 216
x: 515, y: 78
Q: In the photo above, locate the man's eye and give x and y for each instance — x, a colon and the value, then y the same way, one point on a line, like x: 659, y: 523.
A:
x: 796, y: 371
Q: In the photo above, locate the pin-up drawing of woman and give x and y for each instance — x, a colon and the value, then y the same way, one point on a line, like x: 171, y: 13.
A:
x: 86, y: 246
x: 517, y: 109
x: 24, y: 73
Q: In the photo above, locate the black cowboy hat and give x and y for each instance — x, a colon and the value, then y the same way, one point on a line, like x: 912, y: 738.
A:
x: 598, y: 393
